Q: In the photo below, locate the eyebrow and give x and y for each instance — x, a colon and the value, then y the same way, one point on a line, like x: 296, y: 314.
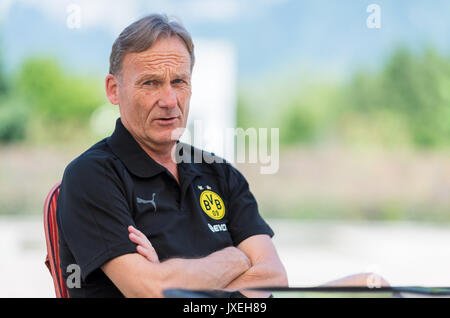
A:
x: 158, y: 76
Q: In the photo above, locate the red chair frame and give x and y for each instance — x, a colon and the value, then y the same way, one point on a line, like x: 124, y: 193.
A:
x: 52, y: 242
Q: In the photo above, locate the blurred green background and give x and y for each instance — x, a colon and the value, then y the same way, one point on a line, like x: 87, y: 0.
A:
x: 370, y: 143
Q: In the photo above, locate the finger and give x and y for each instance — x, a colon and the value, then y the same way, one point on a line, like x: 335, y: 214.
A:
x: 138, y: 233
x: 142, y: 240
x: 146, y: 249
x: 138, y: 240
x: 144, y: 252
x: 134, y: 230
x: 149, y: 254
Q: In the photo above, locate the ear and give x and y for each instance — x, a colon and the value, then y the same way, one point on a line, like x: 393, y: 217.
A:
x: 112, y: 87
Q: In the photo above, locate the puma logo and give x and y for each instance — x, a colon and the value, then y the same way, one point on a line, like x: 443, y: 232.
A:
x: 152, y: 201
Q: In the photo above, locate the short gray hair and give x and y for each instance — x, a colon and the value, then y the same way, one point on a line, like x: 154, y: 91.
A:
x: 140, y: 35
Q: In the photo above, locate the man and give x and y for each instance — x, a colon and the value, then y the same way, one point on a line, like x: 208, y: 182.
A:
x: 136, y: 221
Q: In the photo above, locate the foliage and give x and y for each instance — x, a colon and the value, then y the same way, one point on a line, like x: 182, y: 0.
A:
x: 55, y: 95
x: 3, y: 81
x: 406, y: 102
x: 309, y: 114
x: 413, y: 89
x: 13, y: 120
x: 41, y: 93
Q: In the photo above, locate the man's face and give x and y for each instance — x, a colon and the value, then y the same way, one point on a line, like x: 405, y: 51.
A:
x: 154, y: 91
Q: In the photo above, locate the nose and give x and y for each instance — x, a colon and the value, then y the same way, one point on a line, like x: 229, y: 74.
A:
x: 168, y: 97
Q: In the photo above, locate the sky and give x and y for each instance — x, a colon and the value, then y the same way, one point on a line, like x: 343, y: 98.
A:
x: 325, y: 36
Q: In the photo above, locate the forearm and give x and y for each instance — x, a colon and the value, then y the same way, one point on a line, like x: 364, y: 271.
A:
x: 260, y: 275
x: 214, y: 271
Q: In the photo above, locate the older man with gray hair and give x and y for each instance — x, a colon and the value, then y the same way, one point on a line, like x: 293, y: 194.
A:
x: 137, y: 221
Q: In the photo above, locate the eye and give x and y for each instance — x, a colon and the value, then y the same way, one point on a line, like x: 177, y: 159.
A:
x: 149, y: 83
x: 178, y: 81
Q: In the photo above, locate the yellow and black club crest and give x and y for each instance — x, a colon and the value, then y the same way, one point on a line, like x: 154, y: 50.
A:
x: 212, y: 204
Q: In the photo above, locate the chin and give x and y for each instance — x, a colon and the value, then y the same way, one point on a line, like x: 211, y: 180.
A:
x: 164, y: 135
x: 165, y: 138
x: 174, y: 133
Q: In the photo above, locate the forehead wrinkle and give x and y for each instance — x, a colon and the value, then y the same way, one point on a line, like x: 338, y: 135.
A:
x: 162, y: 73
x: 159, y: 64
x: 164, y: 68
x: 162, y: 58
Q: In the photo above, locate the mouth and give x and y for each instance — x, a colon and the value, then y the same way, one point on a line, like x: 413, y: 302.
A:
x: 166, y: 121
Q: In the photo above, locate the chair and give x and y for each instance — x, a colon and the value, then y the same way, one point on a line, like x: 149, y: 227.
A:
x: 52, y: 241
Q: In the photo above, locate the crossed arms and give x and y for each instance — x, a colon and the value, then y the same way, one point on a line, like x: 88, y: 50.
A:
x: 253, y: 263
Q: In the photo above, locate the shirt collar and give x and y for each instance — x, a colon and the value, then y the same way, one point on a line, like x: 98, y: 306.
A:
x: 186, y: 159
x: 124, y: 146
x: 137, y: 161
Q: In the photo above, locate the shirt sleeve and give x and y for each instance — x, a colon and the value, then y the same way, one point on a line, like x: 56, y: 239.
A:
x: 93, y: 214
x: 244, y: 217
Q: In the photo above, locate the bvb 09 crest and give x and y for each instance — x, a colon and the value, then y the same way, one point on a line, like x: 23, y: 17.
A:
x: 212, y: 204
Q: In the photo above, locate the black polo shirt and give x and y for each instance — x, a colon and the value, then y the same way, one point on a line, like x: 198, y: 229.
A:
x: 115, y: 184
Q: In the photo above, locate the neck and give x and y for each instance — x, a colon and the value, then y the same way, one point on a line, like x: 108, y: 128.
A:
x: 161, y: 153
x: 163, y: 156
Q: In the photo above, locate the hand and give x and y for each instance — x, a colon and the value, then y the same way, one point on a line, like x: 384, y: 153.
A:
x: 144, y: 247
